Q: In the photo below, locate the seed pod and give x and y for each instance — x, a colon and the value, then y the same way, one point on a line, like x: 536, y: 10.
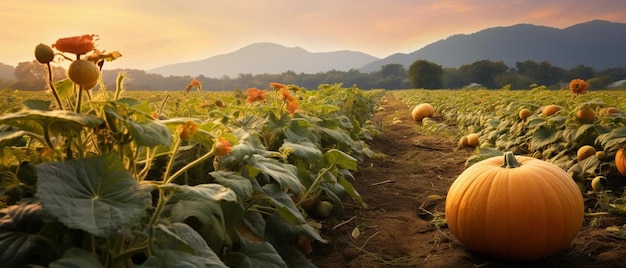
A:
x: 44, y: 53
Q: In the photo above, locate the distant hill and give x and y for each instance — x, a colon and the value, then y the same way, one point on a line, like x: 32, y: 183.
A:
x: 7, y: 71
x: 269, y: 58
x: 599, y: 44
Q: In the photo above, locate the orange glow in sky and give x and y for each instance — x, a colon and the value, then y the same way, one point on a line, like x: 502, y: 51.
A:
x: 152, y: 33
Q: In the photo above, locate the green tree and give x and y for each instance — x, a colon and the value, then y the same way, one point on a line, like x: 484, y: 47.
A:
x: 598, y: 83
x: 542, y: 73
x: 581, y: 72
x: 516, y: 80
x: 484, y: 72
x: 390, y: 76
x: 425, y: 74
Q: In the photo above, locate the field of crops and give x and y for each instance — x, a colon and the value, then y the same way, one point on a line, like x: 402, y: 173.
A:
x: 555, y: 137
x: 117, y: 178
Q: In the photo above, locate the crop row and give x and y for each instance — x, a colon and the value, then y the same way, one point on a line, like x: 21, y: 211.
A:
x: 519, y: 121
x: 160, y: 179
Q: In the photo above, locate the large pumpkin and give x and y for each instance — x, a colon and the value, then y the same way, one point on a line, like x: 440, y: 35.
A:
x: 421, y: 111
x: 620, y: 161
x: 515, y: 208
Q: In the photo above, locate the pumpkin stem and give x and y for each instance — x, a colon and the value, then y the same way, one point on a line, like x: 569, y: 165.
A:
x: 510, y: 161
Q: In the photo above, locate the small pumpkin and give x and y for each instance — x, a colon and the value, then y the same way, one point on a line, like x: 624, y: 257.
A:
x: 421, y: 111
x: 585, y: 152
x: 620, y: 161
x: 515, y: 208
x: 524, y: 113
x: 586, y: 115
x: 550, y: 110
x: 472, y: 139
x: 84, y: 73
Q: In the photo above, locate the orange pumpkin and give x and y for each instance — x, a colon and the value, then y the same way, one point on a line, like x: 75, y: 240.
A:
x: 585, y: 152
x: 514, y: 207
x: 524, y: 113
x: 421, y: 111
x: 586, y: 115
x: 473, y: 139
x: 550, y: 110
x: 620, y: 161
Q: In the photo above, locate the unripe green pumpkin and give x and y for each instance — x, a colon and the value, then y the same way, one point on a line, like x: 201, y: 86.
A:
x: 44, y: 53
x: 84, y: 73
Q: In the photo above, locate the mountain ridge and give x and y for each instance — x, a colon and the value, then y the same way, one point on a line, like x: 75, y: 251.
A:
x: 273, y: 57
x: 597, y: 43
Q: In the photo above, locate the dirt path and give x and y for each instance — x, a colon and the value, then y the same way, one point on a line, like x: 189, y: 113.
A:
x: 405, y: 192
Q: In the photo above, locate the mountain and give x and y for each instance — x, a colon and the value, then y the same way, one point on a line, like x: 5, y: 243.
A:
x: 269, y: 58
x: 599, y: 44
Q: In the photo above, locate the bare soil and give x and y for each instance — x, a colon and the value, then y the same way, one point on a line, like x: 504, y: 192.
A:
x: 405, y: 193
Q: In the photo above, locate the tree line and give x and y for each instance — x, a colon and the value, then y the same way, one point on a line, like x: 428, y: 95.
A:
x: 421, y: 74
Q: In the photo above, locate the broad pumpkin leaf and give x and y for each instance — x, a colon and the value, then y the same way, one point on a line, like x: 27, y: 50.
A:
x: 302, y: 146
x: 285, y: 231
x: 57, y: 121
x: 543, y: 136
x: 285, y: 207
x: 136, y: 105
x: 284, y: 174
x: 97, y: 195
x: 255, y: 255
x: 304, y: 149
x: 65, y: 89
x: 612, y: 141
x: 150, y: 133
x: 201, y: 201
x: 349, y: 188
x: 19, y: 226
x: 42, y: 105
x: 178, y: 245
x: 237, y: 183
x: 341, y: 159
x: 77, y: 258
x: 9, y: 136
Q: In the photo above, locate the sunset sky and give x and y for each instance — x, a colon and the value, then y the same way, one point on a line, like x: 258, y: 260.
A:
x: 152, y: 33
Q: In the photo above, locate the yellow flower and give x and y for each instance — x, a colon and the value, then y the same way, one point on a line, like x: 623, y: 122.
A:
x: 76, y: 44
x: 193, y: 83
x: 223, y: 147
x: 186, y: 130
x: 255, y: 94
x: 578, y: 86
x: 292, y: 106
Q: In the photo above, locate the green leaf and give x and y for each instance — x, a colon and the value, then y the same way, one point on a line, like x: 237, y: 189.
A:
x: 65, y: 88
x: 150, y: 134
x: 201, y: 201
x: 612, y: 141
x: 19, y: 241
x: 97, y: 195
x: 203, y: 192
x: 350, y: 190
x: 178, y: 245
x: 304, y: 149
x: 136, y: 105
x: 255, y: 255
x: 341, y: 159
x: 543, y: 136
x: 42, y: 105
x: 58, y: 121
x: 283, y: 204
x: 239, y: 184
x: 284, y: 174
x: 77, y: 258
